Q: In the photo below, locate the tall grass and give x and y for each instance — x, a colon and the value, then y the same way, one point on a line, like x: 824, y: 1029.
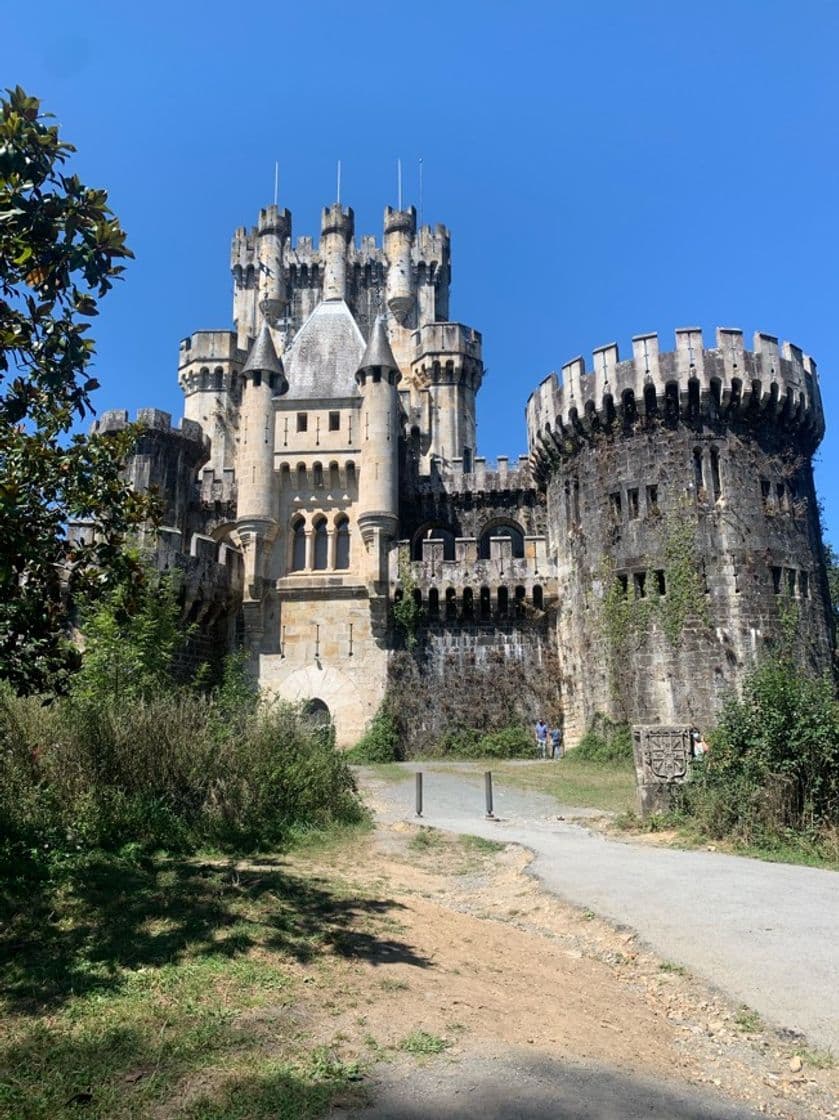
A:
x: 173, y: 771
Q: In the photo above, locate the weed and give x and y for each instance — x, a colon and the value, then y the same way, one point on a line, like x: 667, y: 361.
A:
x: 818, y: 1059
x: 389, y: 985
x: 589, y: 915
x: 747, y: 1020
x: 480, y: 846
x: 425, y: 839
x: 421, y: 1042
x: 671, y: 966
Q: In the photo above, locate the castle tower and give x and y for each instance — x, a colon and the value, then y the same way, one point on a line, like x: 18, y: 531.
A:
x: 447, y: 363
x: 256, y: 522
x: 378, y: 484
x: 400, y: 227
x: 683, y: 517
x: 336, y: 232
x: 272, y: 232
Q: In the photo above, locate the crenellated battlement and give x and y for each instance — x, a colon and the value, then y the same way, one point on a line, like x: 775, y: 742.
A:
x: 153, y: 419
x: 482, y: 478
x: 218, y: 487
x: 770, y: 383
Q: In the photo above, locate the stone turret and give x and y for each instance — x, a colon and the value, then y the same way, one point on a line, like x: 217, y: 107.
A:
x: 273, y: 230
x: 378, y: 491
x: 400, y: 227
x: 336, y: 233
x: 256, y: 522
x: 683, y: 514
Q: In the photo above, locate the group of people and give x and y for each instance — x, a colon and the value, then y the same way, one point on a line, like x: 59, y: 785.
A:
x: 548, y: 739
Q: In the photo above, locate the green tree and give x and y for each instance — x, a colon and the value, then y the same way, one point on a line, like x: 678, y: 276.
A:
x: 60, y: 251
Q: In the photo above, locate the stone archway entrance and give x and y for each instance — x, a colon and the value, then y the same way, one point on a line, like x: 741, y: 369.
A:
x: 316, y: 713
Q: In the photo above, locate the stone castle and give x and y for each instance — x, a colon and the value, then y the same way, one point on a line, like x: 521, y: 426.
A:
x: 662, y: 529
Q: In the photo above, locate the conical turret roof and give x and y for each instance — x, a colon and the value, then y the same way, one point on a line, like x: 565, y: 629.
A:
x: 378, y: 352
x: 263, y: 357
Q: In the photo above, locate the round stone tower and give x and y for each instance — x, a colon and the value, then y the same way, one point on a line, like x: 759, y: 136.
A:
x: 336, y: 232
x: 683, y: 518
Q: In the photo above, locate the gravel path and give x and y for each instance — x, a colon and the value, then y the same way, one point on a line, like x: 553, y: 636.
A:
x: 764, y: 933
x: 520, y: 1086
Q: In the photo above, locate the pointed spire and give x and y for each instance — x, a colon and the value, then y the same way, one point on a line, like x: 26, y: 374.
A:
x: 263, y: 357
x: 378, y: 352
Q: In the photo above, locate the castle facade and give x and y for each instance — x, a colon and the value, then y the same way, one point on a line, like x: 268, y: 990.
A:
x: 661, y: 530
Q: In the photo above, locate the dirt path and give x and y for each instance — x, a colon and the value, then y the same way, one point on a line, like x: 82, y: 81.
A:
x: 515, y: 1004
x: 763, y: 932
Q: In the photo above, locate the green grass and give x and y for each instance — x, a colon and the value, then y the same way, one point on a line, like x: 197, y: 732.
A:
x: 671, y: 966
x: 421, y: 1042
x: 573, y: 782
x: 818, y: 1059
x: 477, y: 845
x: 165, y: 987
x: 748, y: 1020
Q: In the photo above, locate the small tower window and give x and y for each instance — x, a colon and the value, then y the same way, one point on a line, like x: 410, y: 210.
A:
x: 660, y: 582
x: 302, y: 421
x: 334, y: 421
x: 342, y: 543
x: 298, y: 546
x: 716, y: 482
x: 615, y: 504
x: 321, y: 546
x: 640, y: 581
x: 652, y: 498
x: 467, y: 460
x: 632, y: 502
x: 698, y: 476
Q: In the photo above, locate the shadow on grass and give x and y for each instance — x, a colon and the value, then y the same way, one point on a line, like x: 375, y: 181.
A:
x: 108, y: 916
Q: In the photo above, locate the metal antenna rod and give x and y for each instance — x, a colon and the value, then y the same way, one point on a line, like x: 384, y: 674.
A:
x: 338, y: 199
x: 420, y: 191
x: 276, y: 180
x: 399, y: 182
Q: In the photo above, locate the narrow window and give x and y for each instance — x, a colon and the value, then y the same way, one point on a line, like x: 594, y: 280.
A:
x: 698, y: 477
x: 576, y: 501
x: 342, y: 543
x: 519, y: 601
x: 317, y: 473
x: 467, y: 460
x: 765, y: 492
x: 791, y: 581
x: 623, y: 584
x: 781, y: 495
x: 503, y: 602
x: 321, y: 546
x: 652, y: 498
x: 804, y: 584
x: 538, y: 598
x: 467, y: 606
x: 567, y: 505
x: 640, y: 580
x: 486, y: 604
x: 715, y: 474
x: 632, y: 502
x: 451, y: 603
x: 660, y: 582
x: 302, y: 421
x: 776, y: 580
x: 334, y: 421
x: 616, y: 505
x: 298, y: 549
x: 433, y: 602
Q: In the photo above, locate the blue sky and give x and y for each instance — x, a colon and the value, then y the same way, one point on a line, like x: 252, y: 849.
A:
x: 605, y: 168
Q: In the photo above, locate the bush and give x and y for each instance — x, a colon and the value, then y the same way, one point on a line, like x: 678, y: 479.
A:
x: 380, y: 742
x: 773, y: 765
x: 508, y: 742
x: 606, y: 743
x: 161, y: 773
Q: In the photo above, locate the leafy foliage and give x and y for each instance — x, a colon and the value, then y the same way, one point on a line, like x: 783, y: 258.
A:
x: 605, y: 743
x: 60, y: 251
x: 773, y: 765
x: 406, y: 610
x: 380, y: 743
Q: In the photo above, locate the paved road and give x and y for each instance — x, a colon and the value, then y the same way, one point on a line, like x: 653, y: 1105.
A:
x: 767, y: 934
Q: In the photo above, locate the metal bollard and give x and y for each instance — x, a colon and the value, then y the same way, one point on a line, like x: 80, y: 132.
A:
x: 488, y: 793
x: 419, y: 792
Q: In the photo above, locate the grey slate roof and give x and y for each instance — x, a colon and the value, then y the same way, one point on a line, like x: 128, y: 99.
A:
x: 378, y: 352
x: 322, y: 360
x: 263, y: 356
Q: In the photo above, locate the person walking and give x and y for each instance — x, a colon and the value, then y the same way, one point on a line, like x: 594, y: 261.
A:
x: 541, y: 738
x: 556, y: 743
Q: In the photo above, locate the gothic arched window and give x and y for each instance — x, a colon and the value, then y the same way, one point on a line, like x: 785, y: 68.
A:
x: 321, y: 546
x: 342, y: 543
x: 298, y: 545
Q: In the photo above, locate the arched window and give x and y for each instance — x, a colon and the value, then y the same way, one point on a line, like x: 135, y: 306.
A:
x: 503, y: 602
x: 321, y: 545
x: 451, y: 603
x: 486, y: 604
x: 468, y: 607
x: 301, y: 476
x: 298, y: 545
x: 433, y: 533
x: 501, y: 529
x: 520, y: 595
x: 350, y: 476
x: 433, y: 602
x: 537, y: 597
x: 334, y: 478
x: 342, y: 543
x: 317, y: 472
